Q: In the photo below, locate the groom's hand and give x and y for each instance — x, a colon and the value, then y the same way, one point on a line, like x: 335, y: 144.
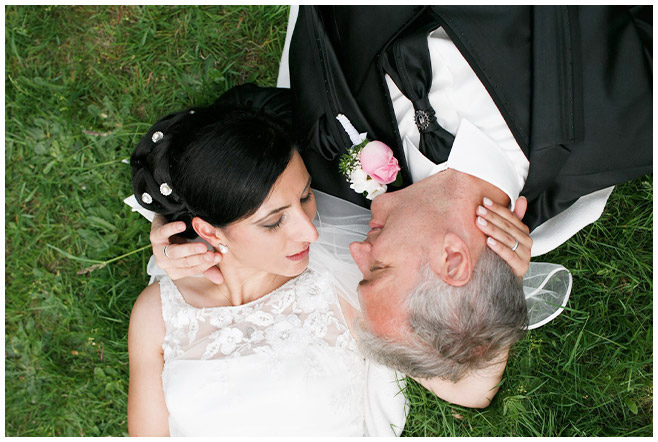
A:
x: 183, y: 258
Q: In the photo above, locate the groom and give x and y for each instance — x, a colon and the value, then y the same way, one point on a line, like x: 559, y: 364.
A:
x: 554, y: 103
x: 550, y: 102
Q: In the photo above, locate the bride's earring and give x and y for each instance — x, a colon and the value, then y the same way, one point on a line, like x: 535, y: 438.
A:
x: 222, y: 249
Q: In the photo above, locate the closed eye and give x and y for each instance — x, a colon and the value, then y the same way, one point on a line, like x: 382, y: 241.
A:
x: 276, y: 225
x: 307, y: 198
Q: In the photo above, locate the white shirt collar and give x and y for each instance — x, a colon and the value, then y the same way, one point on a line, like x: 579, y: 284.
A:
x: 473, y: 153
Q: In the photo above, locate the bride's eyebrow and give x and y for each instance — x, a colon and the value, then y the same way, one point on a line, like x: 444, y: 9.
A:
x: 272, y: 212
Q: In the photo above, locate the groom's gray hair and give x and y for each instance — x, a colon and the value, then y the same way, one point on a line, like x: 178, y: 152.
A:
x: 455, y: 329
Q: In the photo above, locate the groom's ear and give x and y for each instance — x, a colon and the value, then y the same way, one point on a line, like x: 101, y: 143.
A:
x: 207, y: 231
x: 453, y: 262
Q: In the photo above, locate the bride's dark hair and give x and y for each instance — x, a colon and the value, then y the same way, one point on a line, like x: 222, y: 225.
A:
x: 217, y: 162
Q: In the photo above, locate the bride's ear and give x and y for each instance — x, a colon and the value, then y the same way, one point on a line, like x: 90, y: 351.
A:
x: 452, y: 261
x: 207, y: 231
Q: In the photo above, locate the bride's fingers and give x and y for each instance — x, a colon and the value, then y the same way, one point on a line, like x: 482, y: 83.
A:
x: 503, y: 230
x: 511, y: 228
x: 517, y: 263
x: 505, y: 213
x: 492, y: 226
x: 520, y: 207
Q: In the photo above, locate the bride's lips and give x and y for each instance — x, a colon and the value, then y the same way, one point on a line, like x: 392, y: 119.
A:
x: 299, y: 256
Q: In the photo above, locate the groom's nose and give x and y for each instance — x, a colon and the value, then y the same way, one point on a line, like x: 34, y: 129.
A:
x: 361, y: 252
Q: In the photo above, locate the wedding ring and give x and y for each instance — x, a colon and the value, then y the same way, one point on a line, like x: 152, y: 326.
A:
x: 167, y: 254
x: 516, y: 246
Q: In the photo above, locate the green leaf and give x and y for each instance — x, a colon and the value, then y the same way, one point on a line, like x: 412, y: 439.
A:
x: 631, y: 405
x: 398, y: 181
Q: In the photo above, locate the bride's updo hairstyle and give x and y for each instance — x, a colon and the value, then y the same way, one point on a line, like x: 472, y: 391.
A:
x: 217, y: 162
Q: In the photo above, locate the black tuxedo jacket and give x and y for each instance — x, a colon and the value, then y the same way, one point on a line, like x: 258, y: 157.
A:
x: 573, y: 84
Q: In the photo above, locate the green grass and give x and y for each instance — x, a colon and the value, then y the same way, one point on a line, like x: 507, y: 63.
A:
x: 83, y: 83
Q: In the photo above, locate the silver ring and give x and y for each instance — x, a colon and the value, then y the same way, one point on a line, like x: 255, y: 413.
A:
x: 516, y: 246
x: 167, y: 254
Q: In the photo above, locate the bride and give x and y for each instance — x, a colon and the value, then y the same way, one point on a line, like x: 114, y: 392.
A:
x: 270, y: 350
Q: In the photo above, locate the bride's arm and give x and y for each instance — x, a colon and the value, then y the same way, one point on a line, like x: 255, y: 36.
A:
x: 147, y: 411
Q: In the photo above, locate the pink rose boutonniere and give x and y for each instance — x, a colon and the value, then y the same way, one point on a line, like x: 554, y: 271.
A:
x: 377, y: 160
x: 368, y: 165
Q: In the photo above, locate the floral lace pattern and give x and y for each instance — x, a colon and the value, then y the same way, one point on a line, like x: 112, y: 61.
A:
x: 304, y: 311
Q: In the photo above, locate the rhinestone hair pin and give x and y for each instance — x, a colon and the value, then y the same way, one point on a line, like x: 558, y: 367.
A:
x: 146, y: 198
x: 165, y: 189
x: 157, y: 136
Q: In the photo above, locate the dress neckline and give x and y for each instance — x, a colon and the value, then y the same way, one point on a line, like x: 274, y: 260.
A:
x: 179, y: 296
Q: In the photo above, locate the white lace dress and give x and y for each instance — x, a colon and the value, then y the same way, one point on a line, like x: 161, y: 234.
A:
x: 284, y: 364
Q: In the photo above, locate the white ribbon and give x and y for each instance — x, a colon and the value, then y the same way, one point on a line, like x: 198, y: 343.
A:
x: 355, y: 137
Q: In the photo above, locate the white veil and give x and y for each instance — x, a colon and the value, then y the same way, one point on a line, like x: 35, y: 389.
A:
x: 546, y: 286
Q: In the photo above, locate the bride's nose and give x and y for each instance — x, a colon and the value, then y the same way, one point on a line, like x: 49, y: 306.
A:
x: 303, y: 229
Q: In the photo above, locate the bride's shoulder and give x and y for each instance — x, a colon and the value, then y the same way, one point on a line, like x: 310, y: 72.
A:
x: 148, y: 300
x: 146, y: 316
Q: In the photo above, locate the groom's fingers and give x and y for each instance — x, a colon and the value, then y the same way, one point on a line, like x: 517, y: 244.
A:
x: 214, y: 275
x: 188, y: 254
x: 181, y: 260
x: 188, y: 260
x: 161, y: 231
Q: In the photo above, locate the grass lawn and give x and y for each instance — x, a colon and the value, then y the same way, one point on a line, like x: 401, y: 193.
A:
x: 83, y: 83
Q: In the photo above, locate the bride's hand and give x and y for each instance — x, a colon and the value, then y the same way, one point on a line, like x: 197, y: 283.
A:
x: 503, y: 228
x: 184, y: 259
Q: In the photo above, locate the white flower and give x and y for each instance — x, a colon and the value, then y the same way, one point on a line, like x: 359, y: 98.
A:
x: 361, y: 183
x: 314, y: 300
x: 359, y: 180
x: 224, y: 340
x: 381, y: 188
x: 316, y: 324
x: 260, y: 318
x: 221, y: 318
x: 278, y: 333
